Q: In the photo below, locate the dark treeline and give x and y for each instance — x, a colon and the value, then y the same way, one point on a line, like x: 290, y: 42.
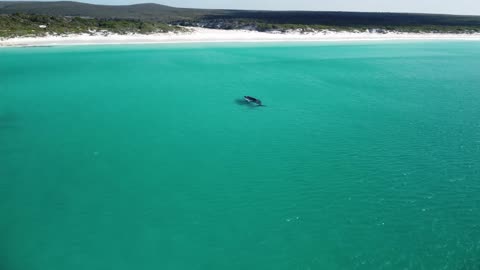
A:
x: 349, y: 18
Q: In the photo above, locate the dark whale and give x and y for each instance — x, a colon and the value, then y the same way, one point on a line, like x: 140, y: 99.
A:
x: 253, y: 100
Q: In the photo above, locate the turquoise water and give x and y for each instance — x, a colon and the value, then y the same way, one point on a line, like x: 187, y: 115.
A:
x: 367, y: 156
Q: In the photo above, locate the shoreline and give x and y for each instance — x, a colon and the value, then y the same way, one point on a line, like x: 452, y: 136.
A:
x: 203, y: 35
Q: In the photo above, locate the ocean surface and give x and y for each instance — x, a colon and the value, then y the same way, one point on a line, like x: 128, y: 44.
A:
x: 366, y: 156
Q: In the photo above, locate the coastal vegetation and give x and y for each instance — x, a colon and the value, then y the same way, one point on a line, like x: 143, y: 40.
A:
x: 40, y: 25
x: 265, y: 26
x: 42, y: 18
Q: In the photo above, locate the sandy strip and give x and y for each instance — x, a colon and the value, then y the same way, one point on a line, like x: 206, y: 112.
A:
x: 213, y: 35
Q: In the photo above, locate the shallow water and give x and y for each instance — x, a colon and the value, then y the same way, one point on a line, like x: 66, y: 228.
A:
x: 142, y: 157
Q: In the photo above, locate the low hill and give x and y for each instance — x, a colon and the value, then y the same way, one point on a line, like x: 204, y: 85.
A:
x: 140, y: 11
x: 168, y: 14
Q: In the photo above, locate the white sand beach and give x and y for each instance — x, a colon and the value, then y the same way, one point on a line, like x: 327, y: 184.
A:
x: 214, y: 35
